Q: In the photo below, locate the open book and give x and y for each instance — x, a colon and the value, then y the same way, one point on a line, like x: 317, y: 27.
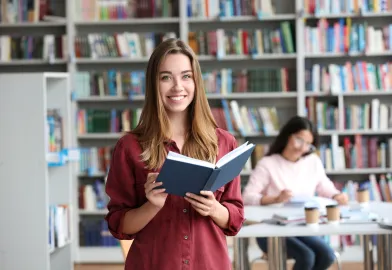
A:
x: 181, y: 174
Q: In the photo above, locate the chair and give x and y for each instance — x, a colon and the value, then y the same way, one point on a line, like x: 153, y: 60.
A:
x: 125, y: 246
x: 264, y: 257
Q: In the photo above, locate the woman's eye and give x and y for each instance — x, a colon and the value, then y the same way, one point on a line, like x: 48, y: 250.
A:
x: 187, y: 76
x: 164, y: 78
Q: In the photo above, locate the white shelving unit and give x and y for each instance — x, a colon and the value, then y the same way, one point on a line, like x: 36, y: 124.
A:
x: 289, y: 103
x: 29, y: 185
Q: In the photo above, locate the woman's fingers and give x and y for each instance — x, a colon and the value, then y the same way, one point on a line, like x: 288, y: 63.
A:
x: 197, y: 204
x: 151, y: 177
x: 157, y: 191
x: 151, y: 186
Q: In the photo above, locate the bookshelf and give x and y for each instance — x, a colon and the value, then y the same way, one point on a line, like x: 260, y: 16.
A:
x: 36, y: 171
x: 296, y: 66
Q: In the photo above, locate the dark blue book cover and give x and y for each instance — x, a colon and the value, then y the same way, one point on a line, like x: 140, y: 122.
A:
x: 180, y: 174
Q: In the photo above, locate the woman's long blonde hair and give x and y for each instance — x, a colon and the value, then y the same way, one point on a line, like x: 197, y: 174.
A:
x: 153, y: 129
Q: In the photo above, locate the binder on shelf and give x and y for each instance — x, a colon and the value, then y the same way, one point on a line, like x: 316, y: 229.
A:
x: 55, y: 159
x: 60, y: 158
x: 181, y: 174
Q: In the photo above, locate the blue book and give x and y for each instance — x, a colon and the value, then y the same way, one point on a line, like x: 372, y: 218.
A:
x: 181, y: 174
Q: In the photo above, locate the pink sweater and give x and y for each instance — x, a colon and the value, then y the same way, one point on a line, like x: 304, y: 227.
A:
x: 273, y: 174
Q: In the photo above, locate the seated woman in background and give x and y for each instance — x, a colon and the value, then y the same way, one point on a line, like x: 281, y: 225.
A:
x: 292, y: 168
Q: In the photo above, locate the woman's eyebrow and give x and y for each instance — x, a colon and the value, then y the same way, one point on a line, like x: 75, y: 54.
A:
x: 169, y: 72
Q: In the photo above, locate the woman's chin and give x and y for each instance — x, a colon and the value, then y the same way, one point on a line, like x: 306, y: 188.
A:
x: 176, y: 109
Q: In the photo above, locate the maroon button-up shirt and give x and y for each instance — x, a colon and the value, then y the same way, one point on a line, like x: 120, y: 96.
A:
x: 177, y: 237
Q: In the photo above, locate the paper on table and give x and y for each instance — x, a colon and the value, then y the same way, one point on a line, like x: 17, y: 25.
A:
x: 320, y: 202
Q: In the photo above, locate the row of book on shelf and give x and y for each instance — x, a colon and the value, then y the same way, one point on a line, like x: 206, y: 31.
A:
x: 231, y: 116
x: 127, y: 44
x: 222, y: 42
x: 345, y: 36
x: 95, y: 233
x: 106, y: 121
x: 221, y: 81
x: 99, y: 10
x: 45, y: 47
x: 27, y: 10
x: 331, y: 7
x: 246, y: 119
x: 350, y: 77
x: 348, y: 152
x: 229, y: 8
x: 218, y: 42
x: 356, y: 152
x: 374, y: 115
x: 93, y: 10
x: 59, y: 226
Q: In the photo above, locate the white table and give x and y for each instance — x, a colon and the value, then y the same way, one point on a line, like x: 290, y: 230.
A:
x: 276, y: 235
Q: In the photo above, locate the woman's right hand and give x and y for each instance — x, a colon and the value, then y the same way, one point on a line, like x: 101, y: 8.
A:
x: 284, y: 196
x: 157, y: 197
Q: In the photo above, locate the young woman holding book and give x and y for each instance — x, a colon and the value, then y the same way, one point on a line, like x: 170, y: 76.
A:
x: 292, y: 168
x: 172, y: 232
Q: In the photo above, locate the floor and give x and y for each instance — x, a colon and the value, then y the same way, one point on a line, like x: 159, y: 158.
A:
x: 346, y: 266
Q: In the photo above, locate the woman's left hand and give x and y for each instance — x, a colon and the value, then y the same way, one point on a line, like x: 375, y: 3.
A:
x: 205, y: 205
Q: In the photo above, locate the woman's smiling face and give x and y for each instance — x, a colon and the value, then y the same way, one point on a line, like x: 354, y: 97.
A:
x: 176, y: 83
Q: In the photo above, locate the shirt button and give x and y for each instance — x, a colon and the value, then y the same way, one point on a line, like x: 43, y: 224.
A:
x: 186, y: 261
x: 186, y: 237
x: 184, y: 210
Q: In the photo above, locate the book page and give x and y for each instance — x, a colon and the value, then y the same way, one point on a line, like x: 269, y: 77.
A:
x: 185, y: 159
x: 233, y: 154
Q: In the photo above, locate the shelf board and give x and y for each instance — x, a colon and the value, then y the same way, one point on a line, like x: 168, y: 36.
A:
x: 348, y: 94
x: 340, y: 54
x: 111, y: 60
x: 365, y: 132
x: 124, y: 60
x: 245, y: 95
x: 358, y: 171
x: 253, y: 95
x: 95, y: 99
x: 272, y: 56
x: 275, y: 17
x: 18, y: 62
x: 354, y: 132
x: 342, y: 172
x: 100, y: 136
x: 115, y: 136
x: 33, y: 25
x: 349, y: 15
x: 131, y: 21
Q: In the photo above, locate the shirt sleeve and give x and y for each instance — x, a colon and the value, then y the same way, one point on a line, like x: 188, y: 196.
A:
x: 120, y: 187
x: 232, y: 200
x: 258, y: 181
x: 325, y: 187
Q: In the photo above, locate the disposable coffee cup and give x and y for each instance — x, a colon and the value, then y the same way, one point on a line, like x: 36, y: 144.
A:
x: 363, y: 196
x: 312, y: 215
x: 333, y: 213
